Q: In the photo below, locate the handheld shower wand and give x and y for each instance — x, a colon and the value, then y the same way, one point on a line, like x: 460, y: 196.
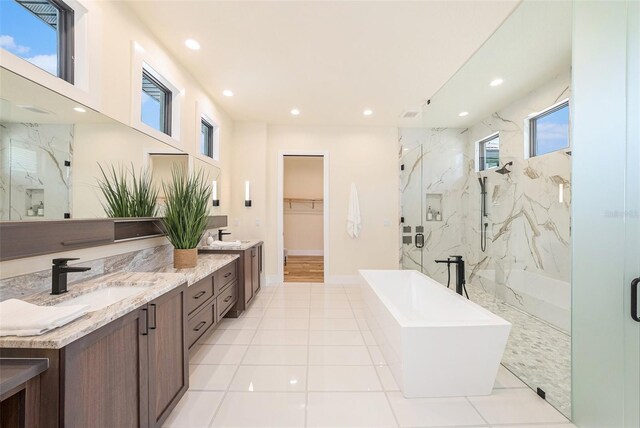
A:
x: 483, y: 213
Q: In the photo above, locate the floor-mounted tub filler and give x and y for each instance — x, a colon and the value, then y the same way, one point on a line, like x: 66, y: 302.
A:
x: 436, y: 342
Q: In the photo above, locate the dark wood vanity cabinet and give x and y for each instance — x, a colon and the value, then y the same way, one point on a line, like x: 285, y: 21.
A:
x: 250, y: 275
x: 129, y: 373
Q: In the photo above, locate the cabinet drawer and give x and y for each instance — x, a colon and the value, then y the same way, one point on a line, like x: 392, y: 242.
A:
x: 201, y: 322
x: 226, y: 299
x: 199, y: 293
x: 225, y: 275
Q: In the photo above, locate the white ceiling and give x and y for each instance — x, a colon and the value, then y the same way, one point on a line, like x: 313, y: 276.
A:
x: 329, y: 59
x: 530, y: 48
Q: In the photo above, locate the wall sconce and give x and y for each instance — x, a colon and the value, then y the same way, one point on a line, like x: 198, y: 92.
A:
x: 247, y: 194
x: 214, y: 194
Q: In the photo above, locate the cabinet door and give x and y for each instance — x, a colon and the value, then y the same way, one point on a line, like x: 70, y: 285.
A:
x: 248, y: 275
x: 255, y: 269
x: 168, y: 359
x: 105, y: 376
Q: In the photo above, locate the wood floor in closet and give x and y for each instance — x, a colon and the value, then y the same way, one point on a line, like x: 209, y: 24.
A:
x: 304, y: 269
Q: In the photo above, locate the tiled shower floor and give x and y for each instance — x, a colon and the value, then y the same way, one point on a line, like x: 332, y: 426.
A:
x: 536, y: 352
x: 303, y: 356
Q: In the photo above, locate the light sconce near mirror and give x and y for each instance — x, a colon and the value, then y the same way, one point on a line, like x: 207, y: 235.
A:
x: 247, y: 194
x: 214, y: 193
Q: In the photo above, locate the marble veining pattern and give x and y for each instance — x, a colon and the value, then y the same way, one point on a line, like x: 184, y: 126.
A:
x: 244, y: 245
x: 32, y: 157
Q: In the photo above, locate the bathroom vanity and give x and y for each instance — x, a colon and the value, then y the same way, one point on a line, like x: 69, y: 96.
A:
x: 250, y: 270
x: 127, y: 364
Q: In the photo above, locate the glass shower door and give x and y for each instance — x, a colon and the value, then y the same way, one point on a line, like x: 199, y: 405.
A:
x: 411, y: 226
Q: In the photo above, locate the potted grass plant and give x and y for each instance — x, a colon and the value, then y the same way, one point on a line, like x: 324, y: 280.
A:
x: 185, y: 214
x: 128, y: 194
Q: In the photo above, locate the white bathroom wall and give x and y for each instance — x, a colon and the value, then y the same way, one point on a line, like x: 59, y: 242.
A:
x: 303, y: 221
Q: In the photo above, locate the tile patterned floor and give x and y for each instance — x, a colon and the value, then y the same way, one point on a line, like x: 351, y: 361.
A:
x: 302, y: 356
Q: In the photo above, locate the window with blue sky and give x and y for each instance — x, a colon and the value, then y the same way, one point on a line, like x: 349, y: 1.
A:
x: 156, y: 104
x: 31, y: 34
x: 550, y: 130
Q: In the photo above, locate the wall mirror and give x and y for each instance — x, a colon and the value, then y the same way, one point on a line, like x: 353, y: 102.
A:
x: 51, y: 148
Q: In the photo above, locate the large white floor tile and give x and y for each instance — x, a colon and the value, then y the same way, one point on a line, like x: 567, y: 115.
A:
x: 567, y: 425
x: 261, y: 409
x: 270, y: 378
x: 289, y: 304
x: 284, y: 324
x: 333, y: 324
x: 433, y: 412
x: 229, y: 337
x: 368, y: 338
x: 376, y: 356
x: 506, y: 379
x: 330, y: 304
x: 329, y: 297
x: 513, y: 406
x: 281, y: 337
x: 340, y: 338
x: 276, y: 355
x: 254, y: 312
x: 339, y: 355
x: 343, y: 378
x: 326, y: 312
x: 218, y: 354
x: 287, y: 313
x: 210, y: 377
x: 195, y: 410
x: 349, y: 409
x: 387, y: 379
x: 239, y: 323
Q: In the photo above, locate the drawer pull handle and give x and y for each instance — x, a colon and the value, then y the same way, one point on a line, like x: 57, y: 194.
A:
x: 200, y: 294
x: 227, y: 299
x: 199, y: 326
x: 227, y: 275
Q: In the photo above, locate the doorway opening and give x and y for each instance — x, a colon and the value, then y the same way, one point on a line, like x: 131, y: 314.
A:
x: 303, y: 218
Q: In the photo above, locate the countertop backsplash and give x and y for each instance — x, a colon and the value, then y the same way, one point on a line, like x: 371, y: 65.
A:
x: 146, y: 260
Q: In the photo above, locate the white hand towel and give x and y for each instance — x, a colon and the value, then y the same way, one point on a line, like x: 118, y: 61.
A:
x: 353, y: 216
x: 18, y: 318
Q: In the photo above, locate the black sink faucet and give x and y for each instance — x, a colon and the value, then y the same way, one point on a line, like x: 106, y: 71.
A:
x: 222, y: 233
x: 59, y: 274
x: 460, y: 275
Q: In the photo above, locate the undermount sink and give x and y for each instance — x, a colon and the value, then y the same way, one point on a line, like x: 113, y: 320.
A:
x: 103, y: 297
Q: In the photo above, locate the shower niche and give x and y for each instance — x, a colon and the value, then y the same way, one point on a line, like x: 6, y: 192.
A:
x: 433, y: 208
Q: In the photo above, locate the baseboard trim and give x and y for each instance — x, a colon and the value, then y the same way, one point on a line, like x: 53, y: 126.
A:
x: 272, y: 279
x: 305, y: 252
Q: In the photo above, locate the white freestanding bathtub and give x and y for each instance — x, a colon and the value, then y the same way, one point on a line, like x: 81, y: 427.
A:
x: 436, y: 342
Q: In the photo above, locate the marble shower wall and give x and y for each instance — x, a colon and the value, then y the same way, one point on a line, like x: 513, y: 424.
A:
x: 435, y: 175
x: 529, y: 228
x: 32, y: 158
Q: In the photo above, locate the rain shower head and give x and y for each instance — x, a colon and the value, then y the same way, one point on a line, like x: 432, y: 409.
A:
x: 504, y: 169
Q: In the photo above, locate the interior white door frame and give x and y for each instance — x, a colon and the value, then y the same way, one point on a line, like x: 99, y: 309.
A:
x: 280, y: 205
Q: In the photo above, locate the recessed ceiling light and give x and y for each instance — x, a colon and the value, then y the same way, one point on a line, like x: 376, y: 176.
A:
x: 367, y: 112
x: 463, y: 113
x: 227, y: 93
x: 496, y: 82
x: 79, y: 109
x: 295, y: 111
x: 192, y: 44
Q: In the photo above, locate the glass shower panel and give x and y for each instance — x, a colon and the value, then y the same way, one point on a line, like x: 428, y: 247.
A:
x: 412, y: 227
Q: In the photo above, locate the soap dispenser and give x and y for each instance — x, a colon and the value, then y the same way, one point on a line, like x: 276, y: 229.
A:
x: 429, y: 214
x: 210, y: 239
x: 41, y: 209
x: 438, y: 216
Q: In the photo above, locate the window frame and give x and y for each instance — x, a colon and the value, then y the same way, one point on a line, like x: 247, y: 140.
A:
x: 65, y: 40
x: 480, y: 146
x: 210, y: 137
x: 166, y: 109
x: 533, y: 119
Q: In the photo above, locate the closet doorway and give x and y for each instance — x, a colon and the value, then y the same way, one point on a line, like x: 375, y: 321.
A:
x: 303, y: 218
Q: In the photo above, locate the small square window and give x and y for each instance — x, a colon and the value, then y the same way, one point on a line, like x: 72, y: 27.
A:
x: 489, y: 152
x: 206, y: 138
x: 549, y: 130
x: 41, y: 32
x: 156, y: 103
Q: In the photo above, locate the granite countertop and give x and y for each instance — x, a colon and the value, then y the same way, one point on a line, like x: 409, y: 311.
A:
x: 158, y: 283
x: 207, y: 264
x: 244, y: 245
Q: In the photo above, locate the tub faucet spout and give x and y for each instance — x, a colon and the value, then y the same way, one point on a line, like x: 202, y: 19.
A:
x: 460, y: 274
